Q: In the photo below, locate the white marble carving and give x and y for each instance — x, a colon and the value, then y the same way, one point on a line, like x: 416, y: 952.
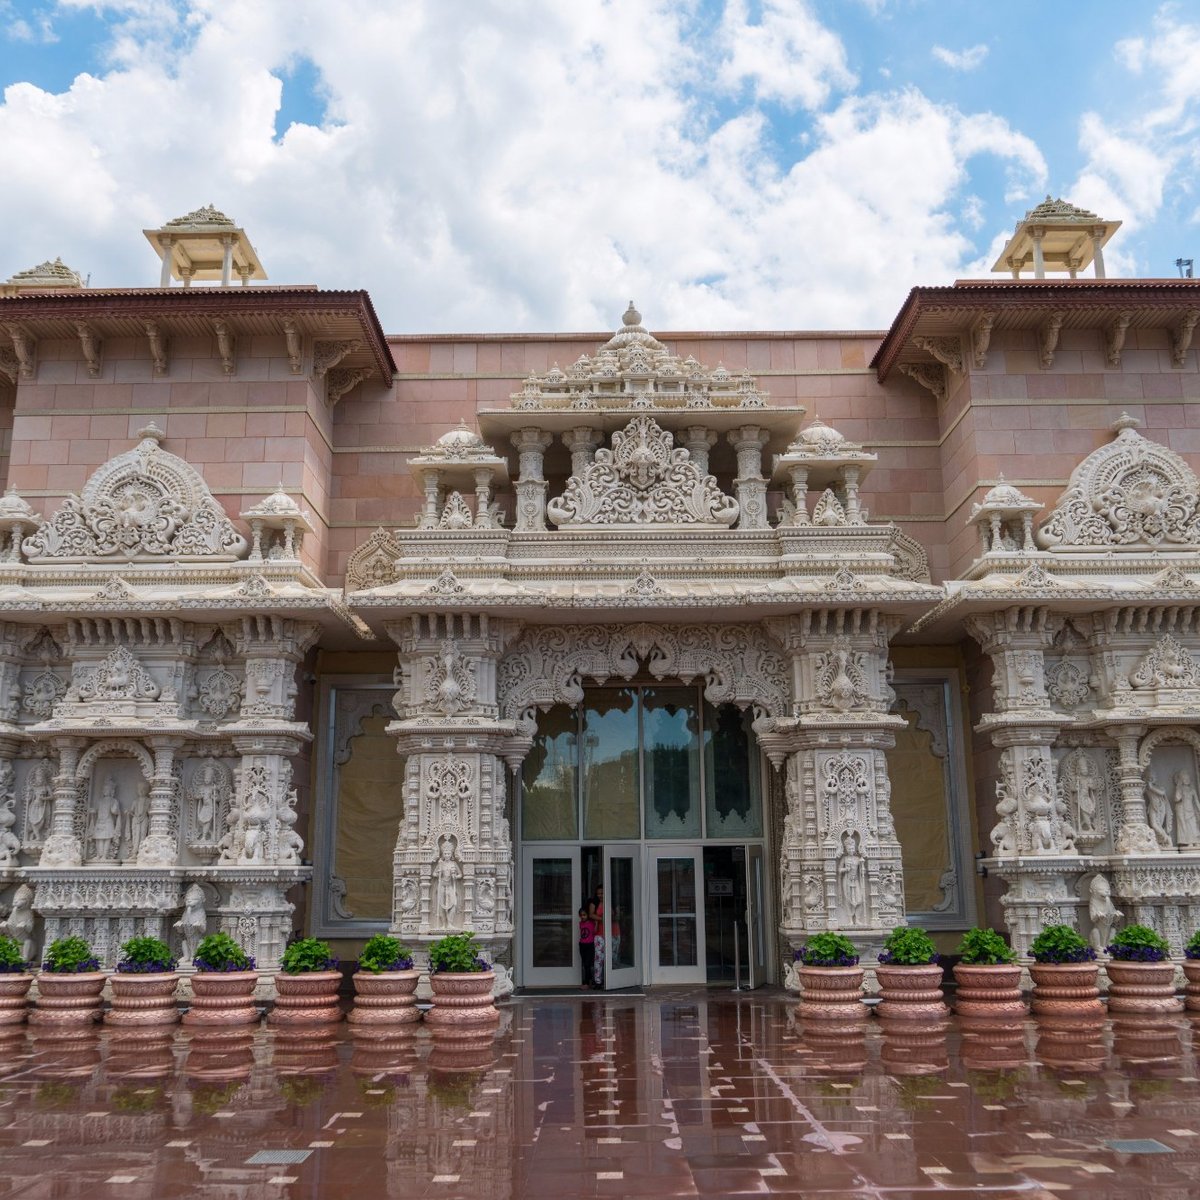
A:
x: 18, y: 925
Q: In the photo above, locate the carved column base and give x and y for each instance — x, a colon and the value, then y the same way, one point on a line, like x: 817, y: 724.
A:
x: 157, y: 850
x: 61, y: 850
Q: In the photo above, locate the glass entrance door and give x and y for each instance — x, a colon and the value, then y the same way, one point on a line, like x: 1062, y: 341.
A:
x: 622, y: 918
x: 756, y: 920
x: 550, y: 899
x: 677, y: 914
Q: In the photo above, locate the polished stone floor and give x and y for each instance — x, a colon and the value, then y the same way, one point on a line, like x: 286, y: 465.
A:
x: 681, y: 1093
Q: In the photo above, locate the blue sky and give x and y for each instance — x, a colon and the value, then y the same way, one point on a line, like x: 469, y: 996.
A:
x: 530, y: 164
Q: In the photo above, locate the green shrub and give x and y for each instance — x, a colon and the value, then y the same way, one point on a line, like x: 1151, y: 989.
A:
x: 306, y: 956
x: 907, y: 947
x: 384, y: 953
x: 70, y: 956
x: 1139, y: 943
x: 985, y: 948
x: 827, y: 950
x: 457, y: 953
x: 146, y: 955
x: 219, y: 952
x: 1192, y: 949
x: 1060, y: 944
x: 11, y: 958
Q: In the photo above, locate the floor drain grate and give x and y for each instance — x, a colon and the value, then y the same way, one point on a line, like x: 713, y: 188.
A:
x: 277, y: 1158
x: 1138, y: 1146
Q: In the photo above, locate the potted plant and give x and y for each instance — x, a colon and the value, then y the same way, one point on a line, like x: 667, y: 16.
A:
x: 306, y: 988
x: 69, y: 985
x: 831, y: 980
x: 14, y: 982
x: 223, y: 985
x: 1140, y: 973
x: 462, y: 981
x: 143, y: 987
x: 988, y: 977
x: 910, y: 977
x: 385, y: 984
x: 1191, y: 969
x: 1064, y: 974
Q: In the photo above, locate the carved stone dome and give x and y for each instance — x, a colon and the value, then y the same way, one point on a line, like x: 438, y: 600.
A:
x: 14, y: 508
x: 1006, y: 496
x: 817, y: 433
x: 633, y: 333
x: 462, y: 441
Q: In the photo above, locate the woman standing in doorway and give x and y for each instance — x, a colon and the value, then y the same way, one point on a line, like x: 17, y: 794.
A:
x: 587, y: 947
x: 596, y: 912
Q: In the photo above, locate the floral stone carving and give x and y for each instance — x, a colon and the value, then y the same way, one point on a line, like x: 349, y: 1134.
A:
x: 643, y: 480
x: 145, y: 504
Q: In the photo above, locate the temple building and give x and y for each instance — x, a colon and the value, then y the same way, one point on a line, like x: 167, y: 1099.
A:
x: 312, y: 628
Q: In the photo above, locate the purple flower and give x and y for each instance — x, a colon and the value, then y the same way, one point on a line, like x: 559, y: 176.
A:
x: 1079, y: 954
x: 1146, y: 954
x: 128, y: 967
x: 227, y: 967
x: 79, y: 968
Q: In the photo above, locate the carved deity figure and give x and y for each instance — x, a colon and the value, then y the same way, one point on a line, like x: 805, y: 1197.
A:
x: 1040, y: 809
x: 1187, y: 809
x: 1103, y: 913
x: 1158, y: 814
x: 1083, y: 790
x: 447, y: 894
x: 842, y: 692
x: 254, y: 841
x: 812, y: 892
x: 193, y: 922
x: 19, y: 923
x: 207, y: 790
x: 408, y: 894
x: 39, y: 801
x: 485, y: 896
x: 290, y: 842
x: 1003, y: 836
x: 137, y: 820
x: 852, y: 878
x: 104, y: 823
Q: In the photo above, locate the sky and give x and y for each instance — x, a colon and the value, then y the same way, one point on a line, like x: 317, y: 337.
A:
x: 514, y: 165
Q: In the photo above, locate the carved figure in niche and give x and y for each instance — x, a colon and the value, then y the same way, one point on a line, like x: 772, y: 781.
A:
x: 193, y: 922
x: 812, y: 892
x: 104, y: 823
x: 19, y: 924
x: 852, y: 878
x: 890, y: 889
x: 137, y: 820
x: 39, y: 801
x: 290, y: 842
x: 1158, y: 814
x: 485, y: 896
x: 447, y: 893
x: 209, y: 788
x: 1003, y: 836
x: 1187, y: 809
x: 1103, y: 913
x: 1084, y: 793
x: 254, y: 841
x: 408, y: 894
x: 948, y: 886
x: 1040, y: 809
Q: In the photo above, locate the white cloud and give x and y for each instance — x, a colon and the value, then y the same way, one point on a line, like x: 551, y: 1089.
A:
x: 961, y: 60
x: 509, y: 164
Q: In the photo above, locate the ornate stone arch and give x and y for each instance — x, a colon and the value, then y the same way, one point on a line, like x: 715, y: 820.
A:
x: 1167, y: 733
x: 548, y: 664
x: 130, y: 749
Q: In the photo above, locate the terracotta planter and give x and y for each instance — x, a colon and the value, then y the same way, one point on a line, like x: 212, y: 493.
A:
x: 914, y: 1049
x: 145, y: 1052
x: 1139, y: 987
x: 992, y: 1045
x: 386, y: 1050
x: 1075, y: 1045
x: 305, y: 1049
x: 1066, y: 989
x: 835, y: 1049
x: 989, y: 991
x: 307, y: 999
x: 832, y: 993
x: 462, y: 1005
x: 143, y: 999
x: 14, y: 997
x: 223, y: 998
x: 911, y: 993
x: 386, y: 998
x: 68, y: 999
x: 220, y: 1053
x: 1191, y: 970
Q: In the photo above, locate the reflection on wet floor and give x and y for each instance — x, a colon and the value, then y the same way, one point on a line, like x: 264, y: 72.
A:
x: 683, y: 1093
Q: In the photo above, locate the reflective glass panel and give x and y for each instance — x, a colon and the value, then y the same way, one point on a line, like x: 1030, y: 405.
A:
x: 677, y: 912
x: 548, y: 808
x: 671, y: 728
x: 620, y: 913
x: 553, y: 918
x: 610, y: 764
x: 732, y: 779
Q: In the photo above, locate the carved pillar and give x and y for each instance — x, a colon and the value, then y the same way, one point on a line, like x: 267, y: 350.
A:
x: 167, y: 243
x: 483, y: 498
x: 531, y: 444
x: 697, y: 440
x: 850, y: 483
x: 1098, y: 251
x: 750, y: 487
x: 454, y: 855
x: 160, y: 847
x: 840, y: 865
x: 799, y: 472
x: 582, y: 443
x: 62, y: 848
x: 1039, y: 262
x: 430, y: 514
x: 1133, y: 834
